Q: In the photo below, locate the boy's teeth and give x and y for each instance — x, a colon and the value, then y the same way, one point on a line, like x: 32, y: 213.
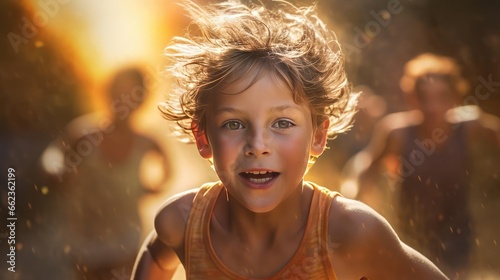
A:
x: 257, y: 172
x: 259, y: 177
x: 260, y: 181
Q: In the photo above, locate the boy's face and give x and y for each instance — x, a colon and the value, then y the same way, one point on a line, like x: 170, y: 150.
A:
x: 260, y: 141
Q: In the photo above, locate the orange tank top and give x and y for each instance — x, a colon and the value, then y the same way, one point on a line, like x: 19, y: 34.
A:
x: 311, y: 260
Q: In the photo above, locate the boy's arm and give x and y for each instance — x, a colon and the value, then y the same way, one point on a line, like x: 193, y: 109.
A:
x: 363, y: 244
x: 163, y: 249
x: 146, y: 267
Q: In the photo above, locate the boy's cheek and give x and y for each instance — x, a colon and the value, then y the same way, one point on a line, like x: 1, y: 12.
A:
x: 226, y: 147
x: 223, y: 176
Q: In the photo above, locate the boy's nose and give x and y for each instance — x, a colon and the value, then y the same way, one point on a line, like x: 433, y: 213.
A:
x: 257, y: 145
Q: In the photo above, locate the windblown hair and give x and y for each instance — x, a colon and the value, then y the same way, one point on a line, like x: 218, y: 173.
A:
x: 233, y: 40
x: 427, y: 67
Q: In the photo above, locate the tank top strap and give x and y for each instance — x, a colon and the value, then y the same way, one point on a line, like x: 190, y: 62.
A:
x: 195, y: 245
x: 323, y: 200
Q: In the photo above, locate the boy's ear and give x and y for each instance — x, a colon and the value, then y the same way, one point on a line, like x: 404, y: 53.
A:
x: 319, y: 138
x: 201, y: 140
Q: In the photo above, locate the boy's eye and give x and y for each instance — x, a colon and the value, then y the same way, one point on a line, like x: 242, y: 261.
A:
x: 282, y: 124
x: 233, y: 125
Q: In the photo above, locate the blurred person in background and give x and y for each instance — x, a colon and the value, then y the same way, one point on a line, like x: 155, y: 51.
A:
x: 105, y: 167
x: 41, y: 79
x: 428, y: 157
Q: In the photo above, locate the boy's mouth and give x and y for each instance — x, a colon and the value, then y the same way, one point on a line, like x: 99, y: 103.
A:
x: 259, y: 177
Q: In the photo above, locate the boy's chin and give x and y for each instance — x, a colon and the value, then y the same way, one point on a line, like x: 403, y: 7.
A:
x: 261, y: 206
x: 258, y: 205
x: 261, y: 209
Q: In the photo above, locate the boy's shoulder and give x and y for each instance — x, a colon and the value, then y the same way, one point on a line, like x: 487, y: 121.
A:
x: 363, y: 244
x: 171, y: 220
x: 360, y: 239
x: 355, y: 228
x: 351, y: 220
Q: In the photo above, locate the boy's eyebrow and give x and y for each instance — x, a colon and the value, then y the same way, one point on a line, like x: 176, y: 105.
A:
x: 278, y: 109
x: 226, y: 110
x: 285, y: 107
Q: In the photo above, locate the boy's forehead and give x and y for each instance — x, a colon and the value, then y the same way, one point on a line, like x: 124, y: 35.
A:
x: 266, y: 92
x: 246, y: 80
x: 239, y: 85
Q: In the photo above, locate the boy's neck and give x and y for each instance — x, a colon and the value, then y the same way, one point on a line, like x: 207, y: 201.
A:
x: 263, y: 229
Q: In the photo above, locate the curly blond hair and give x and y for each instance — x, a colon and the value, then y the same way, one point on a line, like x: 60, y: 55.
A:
x: 232, y: 39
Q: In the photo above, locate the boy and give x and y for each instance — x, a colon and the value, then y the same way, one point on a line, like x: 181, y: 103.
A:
x: 260, y: 91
